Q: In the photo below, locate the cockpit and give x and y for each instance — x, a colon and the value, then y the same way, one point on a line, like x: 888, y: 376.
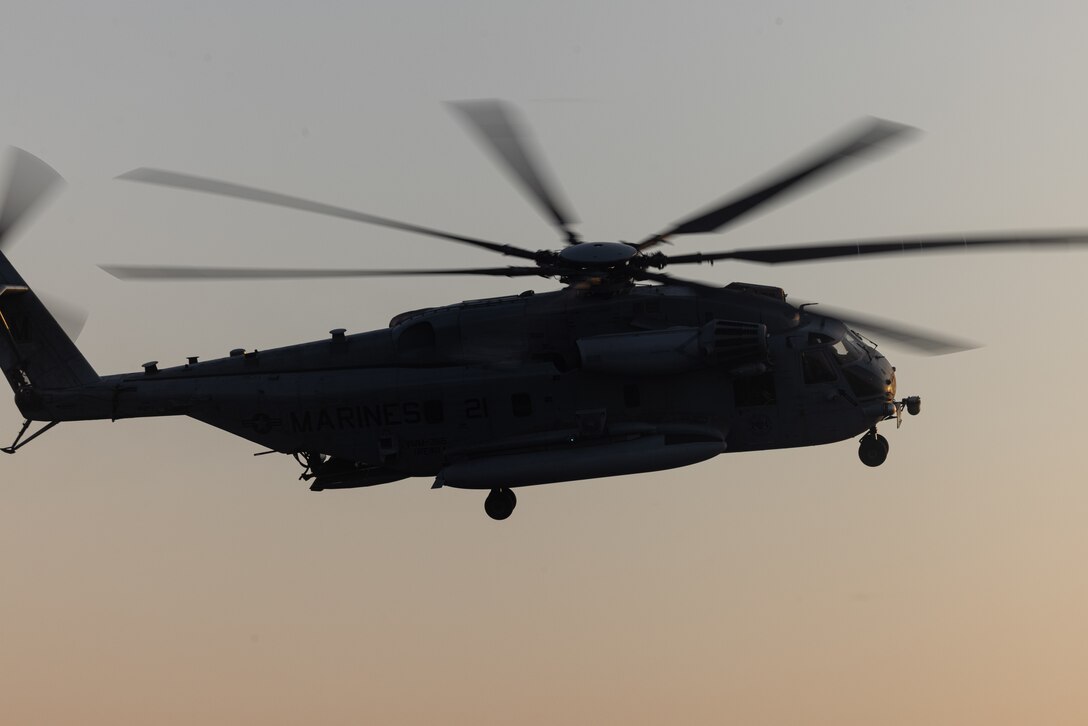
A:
x: 837, y: 353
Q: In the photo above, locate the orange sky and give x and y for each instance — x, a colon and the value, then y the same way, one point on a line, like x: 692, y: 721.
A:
x: 155, y: 572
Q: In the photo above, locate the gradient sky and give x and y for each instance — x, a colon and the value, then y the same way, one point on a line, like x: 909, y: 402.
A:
x: 155, y: 572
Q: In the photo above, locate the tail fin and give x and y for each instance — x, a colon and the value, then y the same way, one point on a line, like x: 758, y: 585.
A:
x: 34, y: 349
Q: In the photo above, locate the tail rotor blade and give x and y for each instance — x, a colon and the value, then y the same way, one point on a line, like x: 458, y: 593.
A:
x: 69, y: 316
x: 29, y: 180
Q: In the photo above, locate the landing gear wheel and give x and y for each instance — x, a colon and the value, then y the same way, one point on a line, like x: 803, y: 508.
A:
x: 873, y: 450
x: 500, y: 503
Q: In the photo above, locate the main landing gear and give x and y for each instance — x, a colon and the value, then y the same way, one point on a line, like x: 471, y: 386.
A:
x: 873, y: 449
x: 500, y: 503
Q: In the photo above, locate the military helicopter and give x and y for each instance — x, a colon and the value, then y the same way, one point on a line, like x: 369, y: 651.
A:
x: 626, y: 369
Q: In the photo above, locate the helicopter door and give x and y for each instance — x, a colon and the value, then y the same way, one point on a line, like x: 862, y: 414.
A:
x: 821, y: 405
x: 817, y: 367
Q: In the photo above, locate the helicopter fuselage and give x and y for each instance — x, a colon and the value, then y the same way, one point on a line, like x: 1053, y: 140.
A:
x: 526, y: 389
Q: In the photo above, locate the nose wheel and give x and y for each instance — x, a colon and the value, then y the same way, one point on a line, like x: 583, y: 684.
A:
x: 500, y: 503
x: 873, y: 449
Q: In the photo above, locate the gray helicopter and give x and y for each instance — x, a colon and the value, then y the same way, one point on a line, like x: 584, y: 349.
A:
x: 603, y: 377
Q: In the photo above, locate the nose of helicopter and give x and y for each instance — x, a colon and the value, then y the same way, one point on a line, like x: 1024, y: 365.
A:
x: 882, y: 372
x: 871, y: 378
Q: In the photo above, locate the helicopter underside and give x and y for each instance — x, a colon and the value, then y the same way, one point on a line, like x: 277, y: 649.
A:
x: 529, y: 427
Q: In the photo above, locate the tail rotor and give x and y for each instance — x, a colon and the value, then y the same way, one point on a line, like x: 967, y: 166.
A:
x: 36, y: 345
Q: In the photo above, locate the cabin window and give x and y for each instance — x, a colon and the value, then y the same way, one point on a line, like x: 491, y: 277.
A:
x: 521, y: 404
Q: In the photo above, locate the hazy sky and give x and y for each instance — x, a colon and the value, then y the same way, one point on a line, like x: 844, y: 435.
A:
x: 155, y: 572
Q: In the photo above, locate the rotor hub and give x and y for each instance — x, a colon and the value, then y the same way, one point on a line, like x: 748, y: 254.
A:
x: 601, y: 255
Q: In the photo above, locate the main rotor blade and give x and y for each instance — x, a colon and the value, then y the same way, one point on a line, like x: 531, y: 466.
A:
x: 872, y: 134
x: 494, y: 124
x: 165, y: 272
x: 908, y: 245
x: 239, y: 191
x: 918, y: 339
x: 670, y: 280
x: 29, y: 179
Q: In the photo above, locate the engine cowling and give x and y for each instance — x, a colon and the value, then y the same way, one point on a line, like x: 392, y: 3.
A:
x: 728, y: 344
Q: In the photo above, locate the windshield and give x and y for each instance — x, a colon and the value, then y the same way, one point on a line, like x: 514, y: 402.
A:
x: 849, y: 349
x: 819, y: 363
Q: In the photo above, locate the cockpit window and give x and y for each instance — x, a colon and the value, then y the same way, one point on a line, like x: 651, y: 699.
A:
x: 849, y: 349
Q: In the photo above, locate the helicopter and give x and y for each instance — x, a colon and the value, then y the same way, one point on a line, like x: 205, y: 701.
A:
x: 626, y: 369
